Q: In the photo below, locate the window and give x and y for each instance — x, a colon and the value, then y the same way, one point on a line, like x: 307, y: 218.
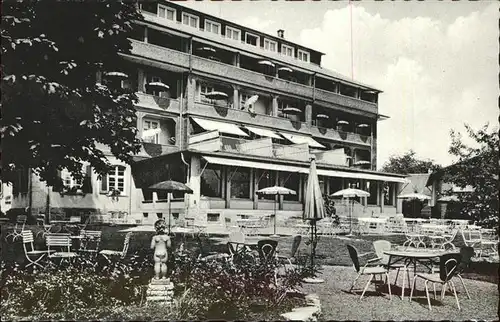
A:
x: 213, y: 217
x: 166, y: 12
x: 287, y: 51
x: 252, y: 39
x: 270, y: 45
x: 388, y: 194
x: 233, y: 34
x: 204, y: 89
x: 213, y: 27
x: 266, y: 178
x: 291, y: 181
x: 211, y: 182
x: 303, y: 55
x: 70, y: 182
x: 150, y: 125
x: 240, y: 182
x: 190, y: 20
x: 114, y: 180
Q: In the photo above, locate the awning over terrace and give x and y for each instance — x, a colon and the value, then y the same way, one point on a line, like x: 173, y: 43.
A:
x: 219, y: 126
x: 300, y: 139
x: 291, y: 168
x: 263, y: 132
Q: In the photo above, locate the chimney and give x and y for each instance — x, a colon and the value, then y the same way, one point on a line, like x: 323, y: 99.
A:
x: 281, y: 33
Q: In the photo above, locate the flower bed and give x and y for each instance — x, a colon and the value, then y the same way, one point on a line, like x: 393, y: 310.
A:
x: 241, y: 289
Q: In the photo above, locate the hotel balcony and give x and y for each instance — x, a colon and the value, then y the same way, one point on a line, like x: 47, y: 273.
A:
x: 157, y: 103
x: 166, y: 58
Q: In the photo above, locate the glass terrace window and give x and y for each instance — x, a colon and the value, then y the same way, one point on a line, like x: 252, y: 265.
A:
x: 232, y: 33
x: 166, y: 12
x: 190, y: 20
x: 252, y: 39
x: 213, y: 27
x: 270, y: 45
x: 291, y: 181
x: 266, y: 178
x: 303, y: 55
x: 287, y: 51
x: 240, y: 182
x: 148, y: 125
x: 211, y: 182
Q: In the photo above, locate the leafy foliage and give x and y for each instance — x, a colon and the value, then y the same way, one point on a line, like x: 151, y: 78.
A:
x: 54, y: 113
x: 478, y: 167
x: 408, y: 163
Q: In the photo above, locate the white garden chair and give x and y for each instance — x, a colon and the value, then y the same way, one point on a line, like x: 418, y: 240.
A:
x: 63, y: 243
x: 32, y: 255
x: 107, y: 253
x: 18, y: 228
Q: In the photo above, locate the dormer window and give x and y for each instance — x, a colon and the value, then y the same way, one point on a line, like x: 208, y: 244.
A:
x: 252, y: 39
x: 232, y: 33
x: 287, y: 51
x: 166, y: 12
x: 190, y: 20
x: 270, y: 45
x: 303, y: 55
x: 213, y: 27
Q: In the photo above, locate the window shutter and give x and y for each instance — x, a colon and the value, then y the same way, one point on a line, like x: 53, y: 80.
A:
x: 87, y: 180
x: 58, y: 187
x: 104, y: 183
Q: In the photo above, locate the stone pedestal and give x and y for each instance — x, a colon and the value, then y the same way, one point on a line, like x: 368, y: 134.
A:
x: 160, y: 291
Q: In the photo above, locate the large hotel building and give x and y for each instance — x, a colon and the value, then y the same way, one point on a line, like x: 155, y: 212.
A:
x: 228, y: 110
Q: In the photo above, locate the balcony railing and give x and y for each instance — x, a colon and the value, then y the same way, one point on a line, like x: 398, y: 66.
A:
x: 154, y: 150
x: 251, y: 78
x: 158, y: 103
x: 333, y: 134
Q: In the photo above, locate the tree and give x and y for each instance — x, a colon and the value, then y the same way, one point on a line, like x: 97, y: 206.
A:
x: 55, y: 112
x: 408, y: 163
x: 477, y: 167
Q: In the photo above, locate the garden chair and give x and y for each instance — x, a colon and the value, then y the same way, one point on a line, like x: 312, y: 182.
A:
x: 18, y: 228
x: 32, y: 255
x: 414, y: 237
x: 46, y: 230
x: 489, y: 242
x: 295, y: 247
x: 444, y: 239
x: 384, y: 245
x: 106, y: 253
x: 84, y: 225
x: 448, y: 268
x: 206, y: 255
x: 267, y: 250
x: 90, y: 241
x: 472, y: 238
x: 372, y: 271
x: 62, y: 241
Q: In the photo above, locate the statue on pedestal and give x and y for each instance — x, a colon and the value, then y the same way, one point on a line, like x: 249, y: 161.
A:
x: 160, y: 242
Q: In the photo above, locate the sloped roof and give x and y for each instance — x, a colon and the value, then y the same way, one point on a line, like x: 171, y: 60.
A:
x: 418, y: 183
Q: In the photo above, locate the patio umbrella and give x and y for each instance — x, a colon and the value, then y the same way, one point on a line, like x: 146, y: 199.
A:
x: 361, y: 162
x: 363, y: 125
x: 291, y: 110
x: 251, y: 100
x: 343, y: 122
x: 350, y: 193
x: 118, y: 75
x: 275, y: 191
x: 170, y: 186
x: 314, y: 209
x: 157, y: 86
x: 285, y: 69
x: 207, y: 49
x: 322, y: 116
x: 414, y: 196
x: 266, y: 63
x: 216, y: 95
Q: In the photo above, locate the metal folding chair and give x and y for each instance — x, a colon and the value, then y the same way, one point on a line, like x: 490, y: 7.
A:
x: 63, y: 242
x: 106, y: 253
x: 18, y: 228
x: 32, y: 255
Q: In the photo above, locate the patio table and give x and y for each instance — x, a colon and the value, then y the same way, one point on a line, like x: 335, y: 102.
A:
x: 413, y: 257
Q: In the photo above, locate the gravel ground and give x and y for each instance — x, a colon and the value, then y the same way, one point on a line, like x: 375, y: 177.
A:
x: 338, y: 304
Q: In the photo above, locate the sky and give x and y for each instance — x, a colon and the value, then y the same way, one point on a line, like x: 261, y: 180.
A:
x: 436, y: 62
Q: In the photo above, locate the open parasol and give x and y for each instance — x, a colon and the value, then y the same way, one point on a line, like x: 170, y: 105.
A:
x: 170, y: 186
x: 275, y: 191
x: 266, y: 63
x: 350, y: 193
x: 216, y: 95
x: 291, y: 110
x: 322, y: 116
x: 118, y: 75
x: 157, y: 86
x: 285, y: 69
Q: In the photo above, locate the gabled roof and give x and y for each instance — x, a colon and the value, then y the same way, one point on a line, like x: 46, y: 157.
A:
x: 417, y: 183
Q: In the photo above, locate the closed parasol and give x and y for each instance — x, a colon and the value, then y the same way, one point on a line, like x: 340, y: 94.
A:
x: 314, y: 209
x: 275, y: 191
